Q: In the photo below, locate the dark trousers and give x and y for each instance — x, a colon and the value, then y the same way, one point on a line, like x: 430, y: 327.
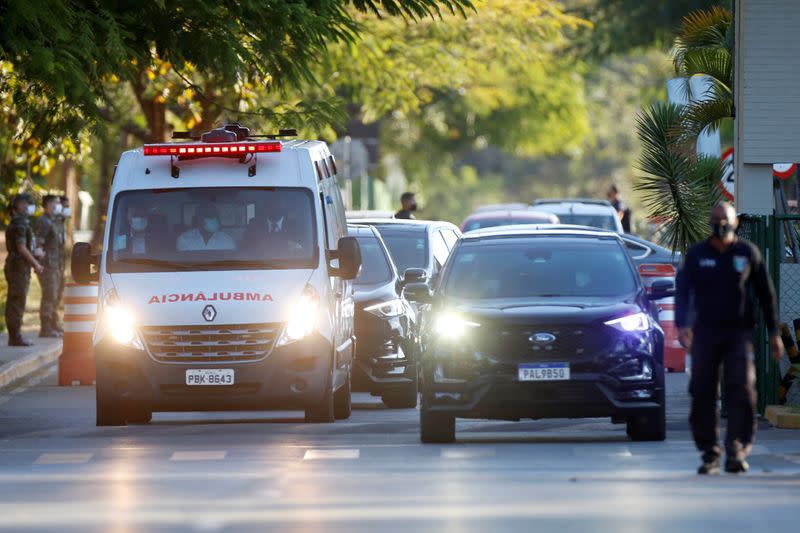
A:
x: 733, y: 349
x: 18, y: 277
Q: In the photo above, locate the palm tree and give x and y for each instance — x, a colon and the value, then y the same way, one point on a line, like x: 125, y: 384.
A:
x: 679, y: 186
x: 704, y: 45
x: 677, y: 189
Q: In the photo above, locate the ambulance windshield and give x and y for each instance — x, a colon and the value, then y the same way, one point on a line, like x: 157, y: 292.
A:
x: 225, y: 228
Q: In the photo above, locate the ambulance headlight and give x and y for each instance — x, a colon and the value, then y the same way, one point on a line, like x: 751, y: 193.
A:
x: 303, y: 317
x: 119, y: 323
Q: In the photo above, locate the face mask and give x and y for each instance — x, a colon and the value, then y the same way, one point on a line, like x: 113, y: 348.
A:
x: 412, y: 207
x: 31, y: 210
x: 58, y: 209
x: 721, y: 231
x: 211, y: 225
x: 66, y: 211
x: 138, y: 223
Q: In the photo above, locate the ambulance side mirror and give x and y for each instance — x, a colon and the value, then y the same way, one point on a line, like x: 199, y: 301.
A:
x: 349, y: 256
x: 82, y: 262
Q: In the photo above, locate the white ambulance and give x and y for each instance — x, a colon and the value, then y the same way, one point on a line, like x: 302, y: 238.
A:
x: 224, y: 280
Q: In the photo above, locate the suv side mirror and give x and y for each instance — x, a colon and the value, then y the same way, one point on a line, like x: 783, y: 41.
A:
x: 82, y: 262
x: 661, y: 288
x: 414, y: 275
x: 418, y: 292
x: 349, y: 256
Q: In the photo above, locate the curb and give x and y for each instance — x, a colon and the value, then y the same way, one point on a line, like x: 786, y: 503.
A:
x: 782, y: 417
x: 25, y: 366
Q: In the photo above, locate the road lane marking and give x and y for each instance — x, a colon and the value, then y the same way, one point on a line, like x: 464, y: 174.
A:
x: 63, y: 458
x: 199, y: 455
x: 474, y: 453
x: 315, y: 454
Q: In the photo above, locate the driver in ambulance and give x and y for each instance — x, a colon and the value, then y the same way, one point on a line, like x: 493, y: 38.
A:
x: 206, y: 234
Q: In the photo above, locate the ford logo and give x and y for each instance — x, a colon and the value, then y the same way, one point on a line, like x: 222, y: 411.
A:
x: 542, y: 338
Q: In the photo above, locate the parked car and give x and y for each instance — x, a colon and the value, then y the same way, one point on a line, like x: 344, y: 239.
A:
x: 507, y: 217
x: 417, y: 244
x: 541, y: 323
x: 499, y: 207
x: 385, y: 326
x: 582, y: 212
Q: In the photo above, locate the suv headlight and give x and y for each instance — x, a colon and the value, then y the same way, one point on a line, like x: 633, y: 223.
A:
x: 386, y: 309
x: 303, y: 317
x: 452, y: 326
x: 119, y: 323
x: 631, y: 323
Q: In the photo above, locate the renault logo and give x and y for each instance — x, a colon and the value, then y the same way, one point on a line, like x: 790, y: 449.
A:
x: 209, y: 313
x: 542, y: 338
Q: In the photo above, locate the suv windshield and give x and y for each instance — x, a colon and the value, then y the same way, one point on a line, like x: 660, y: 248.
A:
x: 539, y: 267
x: 221, y: 228
x: 375, y: 267
x: 408, y: 246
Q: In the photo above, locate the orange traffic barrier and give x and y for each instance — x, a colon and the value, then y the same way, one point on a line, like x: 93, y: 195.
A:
x: 76, y: 364
x: 674, y: 354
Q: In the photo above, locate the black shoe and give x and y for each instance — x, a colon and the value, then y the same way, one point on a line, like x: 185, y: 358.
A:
x: 19, y: 341
x: 710, y: 466
x: 736, y: 466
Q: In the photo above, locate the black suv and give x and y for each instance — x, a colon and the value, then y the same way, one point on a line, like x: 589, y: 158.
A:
x: 385, y: 326
x: 541, y: 323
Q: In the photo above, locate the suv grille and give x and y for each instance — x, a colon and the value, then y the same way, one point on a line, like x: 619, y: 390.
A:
x: 571, y: 341
x: 210, y: 343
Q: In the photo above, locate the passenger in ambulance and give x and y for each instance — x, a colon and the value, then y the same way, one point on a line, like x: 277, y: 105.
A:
x: 135, y: 240
x: 205, y: 233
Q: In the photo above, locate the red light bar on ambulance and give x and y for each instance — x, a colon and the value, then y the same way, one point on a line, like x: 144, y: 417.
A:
x: 211, y: 149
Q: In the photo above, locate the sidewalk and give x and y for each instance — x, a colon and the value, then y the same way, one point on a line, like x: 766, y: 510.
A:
x: 19, y: 362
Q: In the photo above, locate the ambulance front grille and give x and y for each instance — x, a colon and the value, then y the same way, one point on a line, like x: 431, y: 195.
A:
x: 210, y: 343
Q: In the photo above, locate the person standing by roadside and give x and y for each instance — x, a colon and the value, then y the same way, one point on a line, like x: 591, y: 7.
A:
x: 49, y: 237
x: 63, y: 220
x: 20, y: 259
x: 622, y: 209
x: 408, y: 204
x: 723, y: 273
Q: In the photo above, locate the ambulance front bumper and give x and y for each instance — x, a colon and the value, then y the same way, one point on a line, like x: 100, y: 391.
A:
x: 294, y: 376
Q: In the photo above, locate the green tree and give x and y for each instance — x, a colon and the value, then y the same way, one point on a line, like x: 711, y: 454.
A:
x: 442, y: 88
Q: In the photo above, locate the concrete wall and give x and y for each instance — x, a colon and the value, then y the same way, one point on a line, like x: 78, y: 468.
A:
x: 767, y: 92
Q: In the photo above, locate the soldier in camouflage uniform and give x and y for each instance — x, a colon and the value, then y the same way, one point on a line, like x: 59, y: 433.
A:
x: 20, y: 259
x: 63, y: 220
x: 49, y: 237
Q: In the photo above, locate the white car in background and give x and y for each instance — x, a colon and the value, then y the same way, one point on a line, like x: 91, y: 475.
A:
x: 582, y: 212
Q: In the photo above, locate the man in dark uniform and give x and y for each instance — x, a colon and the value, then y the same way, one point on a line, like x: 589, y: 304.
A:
x: 408, y: 205
x: 20, y: 259
x: 723, y: 273
x: 49, y: 238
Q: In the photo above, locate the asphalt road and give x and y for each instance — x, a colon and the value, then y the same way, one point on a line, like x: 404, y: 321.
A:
x: 271, y: 472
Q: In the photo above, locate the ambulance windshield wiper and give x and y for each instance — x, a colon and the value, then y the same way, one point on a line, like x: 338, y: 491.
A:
x: 155, y: 262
